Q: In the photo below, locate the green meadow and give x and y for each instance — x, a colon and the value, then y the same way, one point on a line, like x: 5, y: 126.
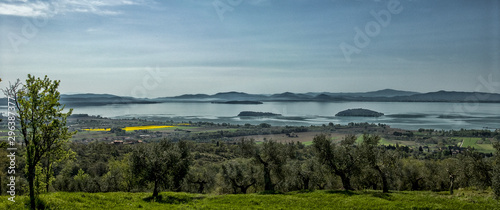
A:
x: 462, y: 199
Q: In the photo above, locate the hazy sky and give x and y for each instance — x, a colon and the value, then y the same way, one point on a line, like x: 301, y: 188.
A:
x: 147, y: 48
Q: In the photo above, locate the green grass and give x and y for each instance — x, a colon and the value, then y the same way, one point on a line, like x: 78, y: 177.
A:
x: 462, y: 199
x: 472, y: 142
x: 307, y: 143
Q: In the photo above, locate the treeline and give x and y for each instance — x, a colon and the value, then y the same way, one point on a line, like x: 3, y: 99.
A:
x: 246, y: 167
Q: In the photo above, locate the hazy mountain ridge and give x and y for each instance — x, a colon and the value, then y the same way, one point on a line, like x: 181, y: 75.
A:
x: 386, y: 95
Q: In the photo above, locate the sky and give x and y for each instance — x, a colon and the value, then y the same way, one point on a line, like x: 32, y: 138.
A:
x: 148, y: 48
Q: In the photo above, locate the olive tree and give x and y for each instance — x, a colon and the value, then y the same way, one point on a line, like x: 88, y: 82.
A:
x: 378, y: 158
x: 161, y: 164
x: 271, y: 155
x: 341, y: 158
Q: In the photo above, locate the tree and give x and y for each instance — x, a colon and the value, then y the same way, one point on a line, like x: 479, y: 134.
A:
x: 496, y: 171
x: 475, y: 169
x: 181, y: 169
x: 239, y: 174
x: 340, y: 159
x: 119, y: 177
x: 157, y: 163
x: 81, y: 180
x: 378, y: 158
x: 202, y: 176
x: 42, y: 122
x: 271, y: 156
x: 413, y: 174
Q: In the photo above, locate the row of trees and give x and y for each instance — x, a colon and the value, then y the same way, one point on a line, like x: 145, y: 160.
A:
x: 270, y: 166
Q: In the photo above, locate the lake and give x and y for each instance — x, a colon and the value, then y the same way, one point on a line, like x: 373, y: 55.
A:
x: 406, y: 115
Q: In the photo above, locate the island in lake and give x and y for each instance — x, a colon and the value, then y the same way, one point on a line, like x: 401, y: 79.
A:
x: 359, y: 113
x: 236, y: 102
x: 257, y: 114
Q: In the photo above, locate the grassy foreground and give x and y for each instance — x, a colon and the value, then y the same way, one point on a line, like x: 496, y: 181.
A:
x: 463, y: 199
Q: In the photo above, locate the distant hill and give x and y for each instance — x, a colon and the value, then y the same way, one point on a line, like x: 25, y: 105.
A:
x: 451, y: 96
x: 386, y: 95
x: 378, y: 93
x: 90, y: 99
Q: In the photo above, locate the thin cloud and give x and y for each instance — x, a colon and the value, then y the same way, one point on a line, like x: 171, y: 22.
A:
x: 26, y: 8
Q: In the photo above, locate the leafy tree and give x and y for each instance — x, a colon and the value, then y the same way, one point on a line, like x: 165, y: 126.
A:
x: 271, y: 156
x: 119, y: 177
x: 437, y: 176
x: 239, y: 174
x: 157, y: 163
x: 181, y: 169
x: 413, y: 174
x: 340, y: 159
x: 304, y: 175
x: 42, y: 123
x: 378, y: 158
x: 82, y: 180
x: 202, y: 176
x: 452, y: 167
x: 476, y: 170
x: 496, y: 171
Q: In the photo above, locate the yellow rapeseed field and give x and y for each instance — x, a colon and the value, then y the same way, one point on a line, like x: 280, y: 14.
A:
x: 146, y: 127
x: 134, y: 128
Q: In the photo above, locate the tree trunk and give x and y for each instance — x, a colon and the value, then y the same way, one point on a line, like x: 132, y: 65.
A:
x: 452, y: 180
x: 47, y: 174
x: 201, y: 186
x: 155, y: 189
x: 306, y: 183
x: 268, y: 185
x: 414, y: 185
x: 244, y: 188
x: 346, y: 182
x: 385, y: 187
x: 31, y: 177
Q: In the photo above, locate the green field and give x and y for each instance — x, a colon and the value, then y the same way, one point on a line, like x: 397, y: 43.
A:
x: 382, y: 141
x: 307, y: 143
x: 473, y: 142
x: 463, y: 199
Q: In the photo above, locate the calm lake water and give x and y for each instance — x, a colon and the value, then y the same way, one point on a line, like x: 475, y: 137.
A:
x: 406, y: 115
